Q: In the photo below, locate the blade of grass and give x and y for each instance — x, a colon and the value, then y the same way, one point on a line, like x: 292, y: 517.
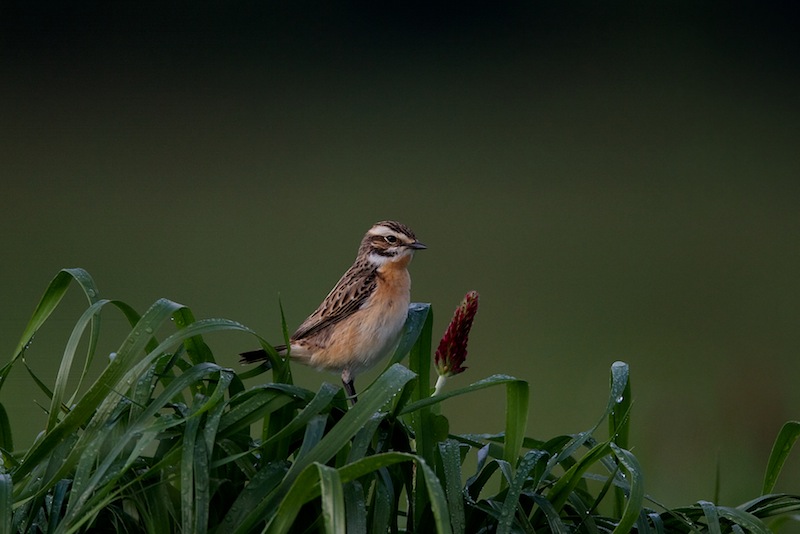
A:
x: 712, y: 517
x: 494, y: 380
x: 619, y: 419
x: 372, y: 400
x: 516, y: 419
x: 745, y: 520
x: 332, y: 493
x: 572, y: 477
x: 635, y: 480
x: 355, y: 505
x: 122, y: 372
x: 417, y: 316
x: 47, y: 304
x: 109, y: 378
x: 89, y: 315
x: 780, y: 451
x: 450, y: 454
x: 306, y: 487
x: 511, y: 501
x: 6, y: 435
x: 6, y: 500
x: 422, y: 420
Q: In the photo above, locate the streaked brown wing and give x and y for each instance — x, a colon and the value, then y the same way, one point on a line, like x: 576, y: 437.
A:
x: 345, y: 298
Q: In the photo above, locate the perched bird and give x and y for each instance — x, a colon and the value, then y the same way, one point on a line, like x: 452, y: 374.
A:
x: 361, y: 319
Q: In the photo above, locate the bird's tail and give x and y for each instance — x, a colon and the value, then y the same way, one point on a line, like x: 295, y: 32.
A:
x: 259, y: 355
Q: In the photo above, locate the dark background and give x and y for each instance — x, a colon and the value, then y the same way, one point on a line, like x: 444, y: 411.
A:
x: 618, y: 182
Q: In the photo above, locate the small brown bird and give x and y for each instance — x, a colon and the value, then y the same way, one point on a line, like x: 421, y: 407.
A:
x: 360, y: 321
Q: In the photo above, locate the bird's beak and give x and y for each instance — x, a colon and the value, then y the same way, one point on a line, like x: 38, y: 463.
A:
x: 416, y: 245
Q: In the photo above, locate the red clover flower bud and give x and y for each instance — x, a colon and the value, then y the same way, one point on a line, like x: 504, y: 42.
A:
x: 452, y: 351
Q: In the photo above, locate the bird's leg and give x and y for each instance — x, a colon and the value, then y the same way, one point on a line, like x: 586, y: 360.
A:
x: 349, y: 386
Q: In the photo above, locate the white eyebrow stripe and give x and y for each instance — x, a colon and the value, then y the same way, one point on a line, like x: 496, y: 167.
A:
x: 382, y: 231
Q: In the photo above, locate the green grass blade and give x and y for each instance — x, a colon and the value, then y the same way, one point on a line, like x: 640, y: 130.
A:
x: 89, y: 315
x: 619, y: 404
x: 6, y: 500
x: 450, y: 454
x: 635, y: 480
x: 554, y: 523
x: 743, y: 519
x: 332, y: 496
x: 417, y: 317
x: 494, y: 380
x: 321, y: 401
x: 47, y: 304
x: 121, y: 374
x: 511, y: 501
x: 196, y: 348
x: 780, y: 451
x: 712, y: 517
x: 516, y: 419
x: 6, y: 435
x: 422, y: 420
x: 240, y: 517
x: 383, y: 498
x: 355, y: 505
x: 187, y: 474
x: 565, y: 485
x: 109, y: 378
x: 385, y: 388
x: 436, y: 494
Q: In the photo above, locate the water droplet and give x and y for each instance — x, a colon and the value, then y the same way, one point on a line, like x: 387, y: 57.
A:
x: 91, y: 293
x: 148, y: 330
x: 112, y: 355
x: 620, y: 399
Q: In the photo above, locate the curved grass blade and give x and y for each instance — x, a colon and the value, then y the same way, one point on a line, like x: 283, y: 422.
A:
x: 139, y: 433
x: 516, y: 419
x: 772, y: 505
x: 6, y: 513
x: 450, y: 454
x: 386, y: 387
x: 494, y: 380
x: 745, y: 520
x: 47, y: 304
x: 422, y: 420
x: 780, y: 451
x: 332, y: 496
x: 509, y: 507
x: 554, y: 522
x: 120, y: 374
x: 712, y: 517
x: 560, y: 491
x: 635, y: 489
x: 89, y: 315
x: 355, y: 505
x: 6, y: 436
x: 417, y: 316
x: 257, y: 488
x: 109, y: 378
x: 306, y: 487
x: 196, y: 348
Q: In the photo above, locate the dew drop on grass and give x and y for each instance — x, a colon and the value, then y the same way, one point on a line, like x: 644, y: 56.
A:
x: 620, y: 399
x: 149, y: 330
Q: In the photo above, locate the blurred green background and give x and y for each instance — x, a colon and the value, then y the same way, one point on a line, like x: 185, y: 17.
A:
x: 616, y: 182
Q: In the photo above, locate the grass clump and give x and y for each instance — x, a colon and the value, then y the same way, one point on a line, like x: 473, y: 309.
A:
x: 167, y: 440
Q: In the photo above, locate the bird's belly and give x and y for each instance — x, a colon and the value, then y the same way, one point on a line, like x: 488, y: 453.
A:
x: 366, y: 337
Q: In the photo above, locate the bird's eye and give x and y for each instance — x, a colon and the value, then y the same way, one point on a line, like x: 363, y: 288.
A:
x: 391, y: 239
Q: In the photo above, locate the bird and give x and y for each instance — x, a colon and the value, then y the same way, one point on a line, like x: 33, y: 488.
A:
x: 360, y: 321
